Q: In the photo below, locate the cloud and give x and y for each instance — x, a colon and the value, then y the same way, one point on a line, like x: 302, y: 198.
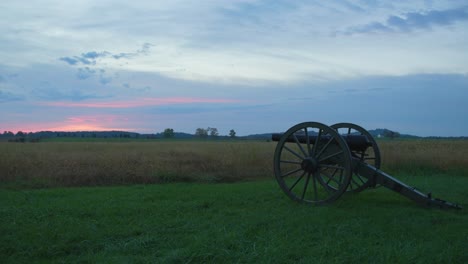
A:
x: 69, y: 60
x: 88, y: 58
x: 124, y: 55
x: 91, y: 57
x: 85, y: 73
x: 94, y: 55
x: 9, y: 97
x: 75, y: 60
x: 145, y: 49
x: 143, y: 102
x: 413, y: 21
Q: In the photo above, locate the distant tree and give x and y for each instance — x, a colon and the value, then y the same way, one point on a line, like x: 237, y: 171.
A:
x: 168, y: 133
x: 213, y: 131
x: 8, y: 134
x: 20, y: 134
x: 390, y: 134
x: 232, y: 133
x: 201, y: 132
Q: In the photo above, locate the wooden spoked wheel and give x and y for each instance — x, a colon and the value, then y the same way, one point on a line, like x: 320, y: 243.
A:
x: 370, y: 155
x: 303, y: 153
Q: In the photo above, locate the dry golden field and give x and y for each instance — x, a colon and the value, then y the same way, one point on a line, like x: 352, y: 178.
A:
x: 50, y: 164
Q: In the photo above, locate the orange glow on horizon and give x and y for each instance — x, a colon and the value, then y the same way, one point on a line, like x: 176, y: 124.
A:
x: 75, y: 123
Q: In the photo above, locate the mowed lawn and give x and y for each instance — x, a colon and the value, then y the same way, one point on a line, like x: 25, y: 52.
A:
x: 231, y: 222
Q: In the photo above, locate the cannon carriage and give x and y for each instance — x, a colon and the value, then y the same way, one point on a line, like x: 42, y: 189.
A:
x: 316, y: 164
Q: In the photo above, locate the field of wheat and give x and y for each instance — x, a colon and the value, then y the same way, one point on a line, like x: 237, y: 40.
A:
x: 54, y: 164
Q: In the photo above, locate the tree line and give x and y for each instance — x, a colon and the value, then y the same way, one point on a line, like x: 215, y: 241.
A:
x: 200, y: 132
x: 210, y: 132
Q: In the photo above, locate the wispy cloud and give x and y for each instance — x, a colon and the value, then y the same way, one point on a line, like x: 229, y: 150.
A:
x: 143, y: 102
x: 88, y: 58
x: 413, y: 21
x: 91, y: 57
x: 85, y: 73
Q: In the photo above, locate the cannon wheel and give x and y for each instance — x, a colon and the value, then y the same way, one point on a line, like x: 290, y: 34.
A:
x: 370, y: 156
x: 298, y: 166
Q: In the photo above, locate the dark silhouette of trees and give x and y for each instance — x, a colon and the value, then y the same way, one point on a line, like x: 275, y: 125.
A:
x: 213, y: 131
x: 390, y: 134
x: 232, y: 133
x: 201, y: 132
x: 168, y: 133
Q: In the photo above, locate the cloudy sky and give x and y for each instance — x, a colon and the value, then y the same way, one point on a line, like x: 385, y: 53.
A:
x: 254, y: 66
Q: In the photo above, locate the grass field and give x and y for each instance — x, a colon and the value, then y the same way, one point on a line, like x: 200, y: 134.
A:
x: 217, y: 202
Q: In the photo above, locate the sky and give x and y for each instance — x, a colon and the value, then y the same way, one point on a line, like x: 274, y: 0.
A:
x: 254, y: 66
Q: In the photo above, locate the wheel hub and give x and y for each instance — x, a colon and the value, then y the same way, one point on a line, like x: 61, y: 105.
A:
x: 309, y: 164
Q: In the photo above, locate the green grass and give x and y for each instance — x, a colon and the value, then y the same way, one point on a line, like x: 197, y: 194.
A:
x: 240, y: 222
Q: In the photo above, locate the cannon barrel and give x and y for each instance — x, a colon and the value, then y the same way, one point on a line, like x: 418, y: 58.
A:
x: 355, y: 142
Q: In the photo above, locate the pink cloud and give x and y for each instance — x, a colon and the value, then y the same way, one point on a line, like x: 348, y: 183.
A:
x: 142, y: 102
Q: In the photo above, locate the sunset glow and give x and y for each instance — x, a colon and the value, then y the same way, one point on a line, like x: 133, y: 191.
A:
x: 76, y: 123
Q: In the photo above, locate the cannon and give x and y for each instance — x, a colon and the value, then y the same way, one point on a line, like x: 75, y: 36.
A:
x: 316, y: 164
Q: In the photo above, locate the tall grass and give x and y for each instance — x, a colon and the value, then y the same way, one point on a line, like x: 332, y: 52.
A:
x: 52, y: 164
x: 425, y: 155
x: 99, y: 163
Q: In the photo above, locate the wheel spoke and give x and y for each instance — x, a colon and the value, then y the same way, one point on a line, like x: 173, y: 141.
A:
x: 307, y: 141
x: 332, y: 178
x: 299, y: 145
x: 356, y: 183
x: 291, y: 172
x: 293, y: 152
x: 305, y: 186
x: 295, y: 183
x: 317, y: 140
x: 331, y: 156
x: 360, y: 178
x: 341, y: 176
x: 324, y: 148
x: 315, y: 186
